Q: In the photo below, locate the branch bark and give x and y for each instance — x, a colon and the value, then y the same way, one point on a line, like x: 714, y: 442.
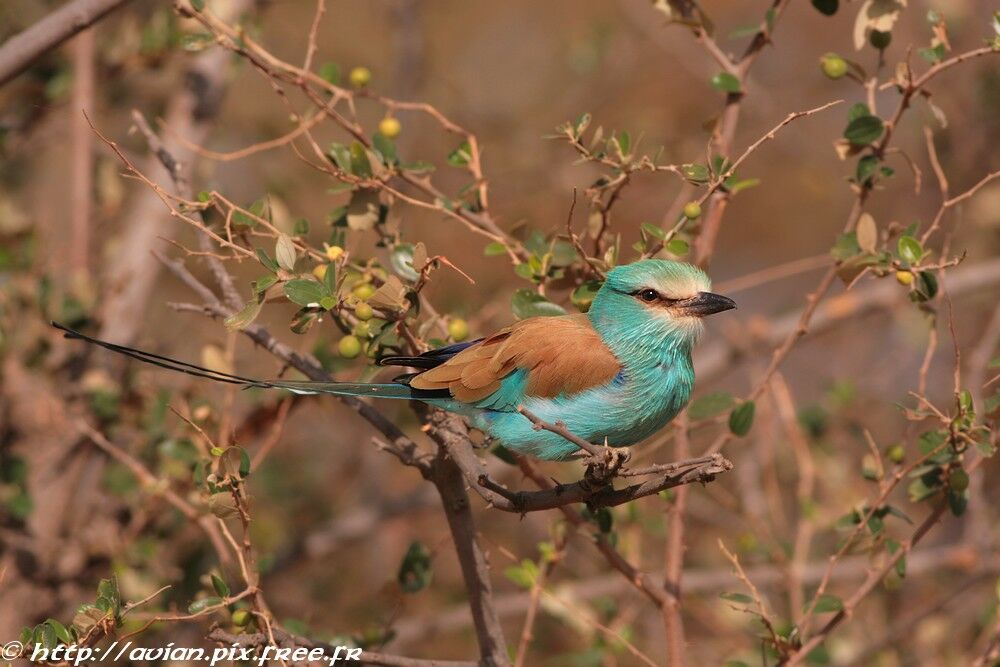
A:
x: 21, y: 50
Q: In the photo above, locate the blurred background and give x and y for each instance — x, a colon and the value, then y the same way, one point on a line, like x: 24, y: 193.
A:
x: 333, y: 517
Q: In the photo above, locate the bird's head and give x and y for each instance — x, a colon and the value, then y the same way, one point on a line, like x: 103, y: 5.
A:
x: 659, y: 296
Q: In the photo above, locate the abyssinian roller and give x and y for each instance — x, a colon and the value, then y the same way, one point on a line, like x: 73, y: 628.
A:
x: 616, y: 374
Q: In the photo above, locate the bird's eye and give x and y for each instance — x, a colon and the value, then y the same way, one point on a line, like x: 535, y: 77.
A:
x: 649, y: 295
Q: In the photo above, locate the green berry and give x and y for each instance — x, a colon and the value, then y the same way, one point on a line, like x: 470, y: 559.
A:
x: 241, y: 617
x: 349, y: 347
x: 692, y: 210
x: 360, y: 77
x: 458, y: 329
x: 361, y: 330
x: 833, y: 65
x: 363, y: 311
x: 218, y: 451
x: 363, y: 291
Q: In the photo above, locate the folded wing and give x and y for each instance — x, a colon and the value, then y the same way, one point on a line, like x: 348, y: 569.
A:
x: 559, y: 355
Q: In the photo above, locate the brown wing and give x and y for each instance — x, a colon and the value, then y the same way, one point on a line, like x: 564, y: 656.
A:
x: 563, y: 355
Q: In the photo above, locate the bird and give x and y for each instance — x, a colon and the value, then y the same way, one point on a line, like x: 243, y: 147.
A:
x: 614, y: 375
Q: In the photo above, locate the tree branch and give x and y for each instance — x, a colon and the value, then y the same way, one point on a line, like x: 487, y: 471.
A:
x: 20, y: 51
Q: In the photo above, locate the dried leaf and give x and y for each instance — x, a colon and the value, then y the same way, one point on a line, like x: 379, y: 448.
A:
x: 284, y: 252
x: 867, y: 233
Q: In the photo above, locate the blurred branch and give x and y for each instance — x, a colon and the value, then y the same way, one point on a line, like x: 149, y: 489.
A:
x: 725, y: 130
x: 704, y: 581
x: 157, y: 487
x: 82, y: 177
x: 286, y: 639
x: 715, y: 357
x: 20, y: 51
x: 673, y: 561
x: 130, y: 279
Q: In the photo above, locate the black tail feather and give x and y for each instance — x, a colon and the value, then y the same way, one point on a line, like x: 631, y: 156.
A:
x: 165, y: 362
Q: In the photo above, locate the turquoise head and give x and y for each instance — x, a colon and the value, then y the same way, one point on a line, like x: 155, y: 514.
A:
x: 654, y: 304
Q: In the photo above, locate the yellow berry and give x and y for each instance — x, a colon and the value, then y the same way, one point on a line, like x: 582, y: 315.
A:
x: 217, y: 451
x: 458, y: 329
x: 334, y: 252
x: 363, y: 311
x: 361, y: 330
x: 896, y: 453
x: 360, y: 77
x: 833, y: 65
x: 692, y: 210
x: 363, y: 291
x: 390, y: 127
x: 320, y: 271
x: 241, y: 617
x: 904, y: 278
x: 349, y: 347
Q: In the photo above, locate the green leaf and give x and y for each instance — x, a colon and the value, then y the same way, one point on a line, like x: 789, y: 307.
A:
x: 330, y: 279
x: 826, y: 7
x: 864, y: 130
x: 736, y: 186
x: 527, y: 303
x: 858, y: 110
x: 386, y: 147
x: 695, y: 173
x: 418, y: 167
x: 330, y: 72
x: 892, y: 546
x: 958, y: 501
x: 846, y: 247
x: 264, y: 283
x: 738, y: 598
x: 710, y: 405
x: 653, y: 230
x: 927, y: 286
x: 266, y: 260
x: 726, y: 82
x: 741, y: 418
x: 220, y: 586
x: 460, y: 156
x: 866, y: 167
x: 360, y: 166
x: 246, y: 315
x: 827, y: 603
x: 909, y: 249
x: 201, y: 605
x: 584, y: 295
x: 341, y: 156
x: 415, y: 571
x: 678, y: 247
x: 198, y: 5
x: 304, y: 292
x: 300, y: 227
x: 60, y: 631
x: 495, y: 249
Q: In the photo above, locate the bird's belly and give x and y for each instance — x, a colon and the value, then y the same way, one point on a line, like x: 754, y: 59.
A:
x: 620, y: 413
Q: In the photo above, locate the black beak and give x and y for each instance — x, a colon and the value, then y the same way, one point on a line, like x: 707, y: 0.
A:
x: 705, y: 303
